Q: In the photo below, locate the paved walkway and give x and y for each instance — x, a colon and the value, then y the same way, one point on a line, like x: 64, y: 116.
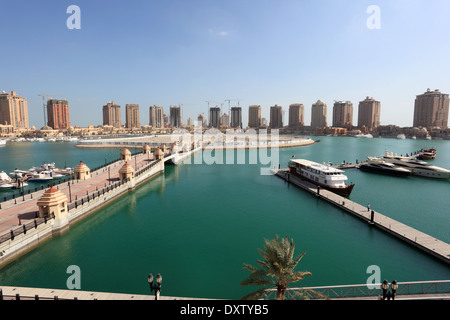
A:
x: 11, y: 214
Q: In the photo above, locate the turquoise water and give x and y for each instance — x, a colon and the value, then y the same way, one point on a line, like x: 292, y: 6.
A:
x: 197, y: 224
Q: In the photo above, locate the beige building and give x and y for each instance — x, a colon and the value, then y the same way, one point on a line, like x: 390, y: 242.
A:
x: 225, y: 120
x: 369, y: 113
x: 296, y: 115
x: 13, y: 110
x: 201, y: 121
x: 276, y: 117
x: 342, y: 114
x: 254, y: 116
x: 156, y: 117
x: 112, y: 115
x: 82, y: 172
x: 125, y: 154
x: 126, y: 172
x: 431, y: 109
x: 319, y: 115
x: 132, y: 116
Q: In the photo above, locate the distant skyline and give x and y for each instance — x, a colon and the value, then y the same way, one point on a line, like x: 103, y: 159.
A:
x: 186, y: 52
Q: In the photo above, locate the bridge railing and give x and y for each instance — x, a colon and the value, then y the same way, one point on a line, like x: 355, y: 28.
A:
x: 361, y: 290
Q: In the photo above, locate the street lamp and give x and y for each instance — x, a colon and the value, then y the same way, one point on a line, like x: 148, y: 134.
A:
x: 70, y: 191
x: 155, y: 287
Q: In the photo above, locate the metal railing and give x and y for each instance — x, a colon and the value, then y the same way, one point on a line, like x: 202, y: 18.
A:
x: 361, y: 291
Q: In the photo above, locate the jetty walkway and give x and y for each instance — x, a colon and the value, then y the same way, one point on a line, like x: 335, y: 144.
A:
x: 21, y: 210
x: 23, y: 227
x: 418, y: 239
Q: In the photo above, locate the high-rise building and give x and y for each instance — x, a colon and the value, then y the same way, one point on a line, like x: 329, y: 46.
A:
x: 369, y: 113
x: 201, y: 121
x: 254, y: 116
x: 58, y: 114
x: 319, y: 115
x: 214, y: 117
x: 156, y: 117
x: 175, y: 117
x: 13, y: 110
x: 342, y: 114
x: 225, y: 120
x: 276, y: 117
x: 132, y: 116
x: 431, y: 109
x: 296, y: 115
x: 112, y: 115
x: 236, y: 117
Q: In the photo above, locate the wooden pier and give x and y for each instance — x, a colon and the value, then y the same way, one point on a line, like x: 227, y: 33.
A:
x: 418, y: 239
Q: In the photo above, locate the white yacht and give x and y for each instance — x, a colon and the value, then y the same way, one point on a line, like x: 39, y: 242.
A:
x: 401, y: 136
x: 378, y: 165
x: 2, y: 142
x: 322, y: 175
x: 418, y: 167
x: 5, y: 181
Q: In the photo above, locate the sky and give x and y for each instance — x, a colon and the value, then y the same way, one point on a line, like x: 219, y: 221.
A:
x: 188, y: 52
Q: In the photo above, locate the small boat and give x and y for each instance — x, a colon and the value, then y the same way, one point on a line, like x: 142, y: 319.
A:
x: 40, y: 177
x: 377, y: 165
x: 321, y: 175
x: 361, y: 135
x: 5, y: 181
x: 401, y: 136
x: 427, y: 154
x: 2, y: 142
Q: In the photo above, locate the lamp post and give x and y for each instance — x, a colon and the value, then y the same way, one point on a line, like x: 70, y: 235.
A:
x: 155, y: 287
x: 70, y: 191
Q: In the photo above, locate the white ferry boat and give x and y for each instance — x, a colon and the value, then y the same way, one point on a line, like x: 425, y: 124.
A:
x: 325, y: 176
x: 417, y: 167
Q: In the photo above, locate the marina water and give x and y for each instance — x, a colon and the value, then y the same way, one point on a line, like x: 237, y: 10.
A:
x: 197, y: 224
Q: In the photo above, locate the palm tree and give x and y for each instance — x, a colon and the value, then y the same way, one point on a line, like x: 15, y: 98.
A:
x: 278, y: 266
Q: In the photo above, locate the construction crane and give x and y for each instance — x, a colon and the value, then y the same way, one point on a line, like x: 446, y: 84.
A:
x: 43, y: 95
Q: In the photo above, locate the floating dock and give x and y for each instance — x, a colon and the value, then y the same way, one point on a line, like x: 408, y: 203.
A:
x: 418, y: 239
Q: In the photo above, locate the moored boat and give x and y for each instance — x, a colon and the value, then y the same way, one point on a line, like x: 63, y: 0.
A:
x: 5, y: 181
x: 377, y: 165
x: 418, y: 167
x: 40, y: 177
x: 321, y: 175
x: 427, y: 154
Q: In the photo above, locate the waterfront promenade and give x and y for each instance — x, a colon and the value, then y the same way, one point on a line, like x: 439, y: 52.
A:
x: 22, y: 210
x: 416, y: 238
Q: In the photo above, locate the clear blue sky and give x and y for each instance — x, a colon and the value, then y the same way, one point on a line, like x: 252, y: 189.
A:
x: 258, y: 51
